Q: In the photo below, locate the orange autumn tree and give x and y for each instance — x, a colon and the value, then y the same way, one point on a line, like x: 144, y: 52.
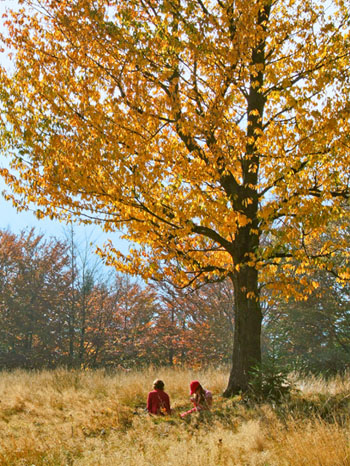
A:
x: 214, y: 133
x: 33, y: 283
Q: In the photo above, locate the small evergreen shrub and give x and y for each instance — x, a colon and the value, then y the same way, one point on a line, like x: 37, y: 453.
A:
x: 269, y: 383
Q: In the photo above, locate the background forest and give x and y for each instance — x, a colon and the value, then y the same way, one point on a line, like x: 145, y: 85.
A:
x: 59, y: 306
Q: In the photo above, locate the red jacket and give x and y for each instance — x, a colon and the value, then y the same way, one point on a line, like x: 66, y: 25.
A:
x: 158, y: 402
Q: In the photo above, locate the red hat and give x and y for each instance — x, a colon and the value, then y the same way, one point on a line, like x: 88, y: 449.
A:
x: 194, y: 385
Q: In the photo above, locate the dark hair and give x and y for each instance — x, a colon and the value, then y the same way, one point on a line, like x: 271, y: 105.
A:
x: 200, y: 397
x: 158, y: 384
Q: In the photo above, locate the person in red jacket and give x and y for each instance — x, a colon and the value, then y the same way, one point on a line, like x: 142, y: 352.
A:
x: 158, y: 402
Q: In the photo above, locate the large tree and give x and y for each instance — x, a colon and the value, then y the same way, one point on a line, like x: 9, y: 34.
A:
x: 199, y: 127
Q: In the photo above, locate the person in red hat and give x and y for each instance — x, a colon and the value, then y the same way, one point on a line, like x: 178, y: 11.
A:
x: 158, y: 402
x: 201, y: 398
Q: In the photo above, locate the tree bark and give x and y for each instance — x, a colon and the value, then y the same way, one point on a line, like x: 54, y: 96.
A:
x: 248, y: 316
x: 247, y: 331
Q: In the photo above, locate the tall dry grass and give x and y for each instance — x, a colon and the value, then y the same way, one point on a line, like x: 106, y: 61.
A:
x: 94, y: 418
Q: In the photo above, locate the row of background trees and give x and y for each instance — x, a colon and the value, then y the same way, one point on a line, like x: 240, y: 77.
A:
x: 60, y: 306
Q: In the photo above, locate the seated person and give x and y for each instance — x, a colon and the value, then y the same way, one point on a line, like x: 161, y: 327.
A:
x: 158, y: 401
x: 201, y: 398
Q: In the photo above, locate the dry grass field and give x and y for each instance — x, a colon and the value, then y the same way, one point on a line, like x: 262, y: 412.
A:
x: 67, y: 417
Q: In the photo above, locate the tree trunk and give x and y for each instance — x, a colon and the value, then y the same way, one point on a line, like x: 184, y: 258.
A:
x: 247, y: 331
x: 71, y: 332
x: 248, y: 316
x: 82, y: 329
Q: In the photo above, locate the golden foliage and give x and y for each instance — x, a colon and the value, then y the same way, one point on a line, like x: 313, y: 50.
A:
x: 196, y: 127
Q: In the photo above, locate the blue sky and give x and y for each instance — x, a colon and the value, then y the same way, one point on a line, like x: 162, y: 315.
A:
x: 17, y: 221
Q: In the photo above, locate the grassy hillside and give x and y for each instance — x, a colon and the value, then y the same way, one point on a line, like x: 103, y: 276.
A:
x: 93, y: 418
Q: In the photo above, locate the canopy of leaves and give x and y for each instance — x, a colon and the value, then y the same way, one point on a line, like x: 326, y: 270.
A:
x: 199, y: 127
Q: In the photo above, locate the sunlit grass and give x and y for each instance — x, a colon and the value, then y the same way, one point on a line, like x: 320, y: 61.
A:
x: 67, y: 417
